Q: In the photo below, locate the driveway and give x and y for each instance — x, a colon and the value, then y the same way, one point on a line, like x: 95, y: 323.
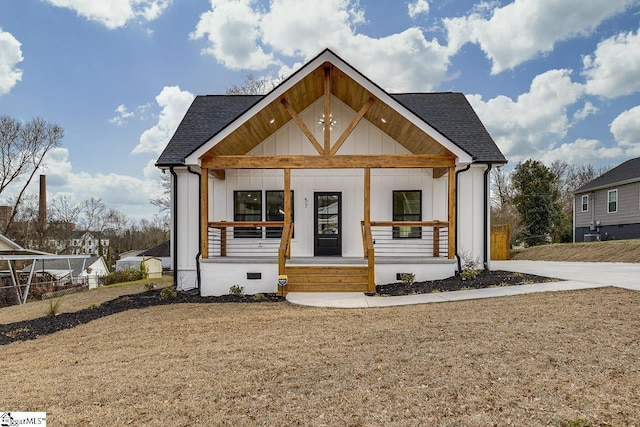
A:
x: 619, y: 274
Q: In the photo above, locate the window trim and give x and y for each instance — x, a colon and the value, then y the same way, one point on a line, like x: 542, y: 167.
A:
x: 414, y: 232
x: 585, y: 203
x: 609, y: 201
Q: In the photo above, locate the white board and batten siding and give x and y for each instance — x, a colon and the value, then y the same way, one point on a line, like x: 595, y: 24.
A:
x: 365, y: 139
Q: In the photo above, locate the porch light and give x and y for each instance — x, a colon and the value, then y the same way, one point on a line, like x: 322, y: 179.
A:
x: 383, y: 120
x: 332, y: 122
x: 272, y: 121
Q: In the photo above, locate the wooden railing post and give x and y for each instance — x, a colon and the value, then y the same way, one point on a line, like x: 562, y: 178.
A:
x: 436, y: 240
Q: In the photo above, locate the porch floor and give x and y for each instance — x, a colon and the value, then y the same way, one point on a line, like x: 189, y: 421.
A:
x: 360, y: 261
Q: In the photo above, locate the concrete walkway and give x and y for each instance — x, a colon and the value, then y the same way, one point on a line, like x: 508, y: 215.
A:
x: 577, y: 275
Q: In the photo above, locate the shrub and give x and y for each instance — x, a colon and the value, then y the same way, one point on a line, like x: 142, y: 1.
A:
x: 149, y: 286
x: 168, y: 293
x: 236, y: 290
x: 259, y: 297
x: 408, y: 278
x: 144, y: 269
x: 128, y: 275
x: 469, y: 274
x: 469, y: 266
x: 53, y: 308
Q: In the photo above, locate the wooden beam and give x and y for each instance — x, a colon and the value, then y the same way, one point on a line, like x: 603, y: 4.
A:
x: 452, y: 211
x: 204, y: 213
x: 439, y: 172
x: 218, y: 173
x: 296, y: 118
x: 327, y: 109
x: 367, y: 197
x: 352, y: 125
x: 329, y: 162
x: 287, y: 197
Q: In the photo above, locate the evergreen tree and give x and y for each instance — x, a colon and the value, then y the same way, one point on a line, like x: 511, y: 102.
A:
x: 537, y: 199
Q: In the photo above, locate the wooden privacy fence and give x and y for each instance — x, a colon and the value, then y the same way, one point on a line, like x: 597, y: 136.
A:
x: 500, y: 242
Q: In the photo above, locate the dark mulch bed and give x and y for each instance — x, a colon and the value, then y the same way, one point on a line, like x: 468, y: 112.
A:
x: 485, y: 279
x: 32, y: 329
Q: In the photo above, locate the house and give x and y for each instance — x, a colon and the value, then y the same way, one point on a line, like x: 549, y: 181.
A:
x: 609, y: 206
x: 329, y: 181
x: 161, y: 251
x: 17, y: 283
x: 72, y: 270
x: 82, y: 242
x: 152, y: 264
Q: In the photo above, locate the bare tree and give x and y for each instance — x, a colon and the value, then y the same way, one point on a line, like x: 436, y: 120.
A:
x: 253, y: 86
x: 501, y: 190
x: 23, y: 148
x: 64, y: 210
x: 93, y: 215
x: 163, y: 201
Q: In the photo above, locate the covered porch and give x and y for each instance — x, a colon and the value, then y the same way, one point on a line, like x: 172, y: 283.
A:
x: 388, y: 247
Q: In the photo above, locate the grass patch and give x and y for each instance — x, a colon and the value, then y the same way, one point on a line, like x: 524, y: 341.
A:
x: 609, y: 251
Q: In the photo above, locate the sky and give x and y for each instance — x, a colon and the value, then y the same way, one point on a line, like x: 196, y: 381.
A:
x: 550, y: 79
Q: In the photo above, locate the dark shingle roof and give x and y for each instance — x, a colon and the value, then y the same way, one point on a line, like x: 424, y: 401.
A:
x: 163, y: 250
x: 207, y: 115
x: 63, y: 264
x: 449, y: 113
x: 627, y: 171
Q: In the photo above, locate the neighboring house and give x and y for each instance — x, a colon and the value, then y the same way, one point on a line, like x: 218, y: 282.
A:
x: 609, y: 206
x: 96, y: 269
x: 153, y: 265
x: 329, y: 180
x: 161, y: 251
x: 72, y: 270
x: 81, y: 242
x: 12, y: 280
x: 132, y: 252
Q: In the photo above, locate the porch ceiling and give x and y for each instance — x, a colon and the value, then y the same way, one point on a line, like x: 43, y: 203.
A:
x: 311, y: 88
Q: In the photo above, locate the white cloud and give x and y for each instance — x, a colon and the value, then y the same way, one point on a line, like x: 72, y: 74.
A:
x: 122, y: 115
x: 582, y: 151
x: 614, y: 67
x: 586, y: 111
x: 126, y: 194
x: 174, y: 103
x: 536, y: 121
x: 626, y: 130
x: 241, y: 34
x: 418, y: 7
x: 232, y: 29
x: 115, y: 13
x: 524, y: 29
x: 10, y: 56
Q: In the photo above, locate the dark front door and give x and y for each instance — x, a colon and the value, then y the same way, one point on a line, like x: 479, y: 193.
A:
x: 327, y: 239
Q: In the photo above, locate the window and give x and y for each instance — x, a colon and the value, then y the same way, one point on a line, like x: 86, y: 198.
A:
x: 247, y: 207
x: 407, y: 206
x: 275, y: 211
x: 612, y: 201
x: 585, y: 203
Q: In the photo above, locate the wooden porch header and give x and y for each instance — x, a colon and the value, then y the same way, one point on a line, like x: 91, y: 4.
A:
x: 328, y: 162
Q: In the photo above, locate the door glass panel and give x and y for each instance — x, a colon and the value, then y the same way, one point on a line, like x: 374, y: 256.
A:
x: 328, y: 214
